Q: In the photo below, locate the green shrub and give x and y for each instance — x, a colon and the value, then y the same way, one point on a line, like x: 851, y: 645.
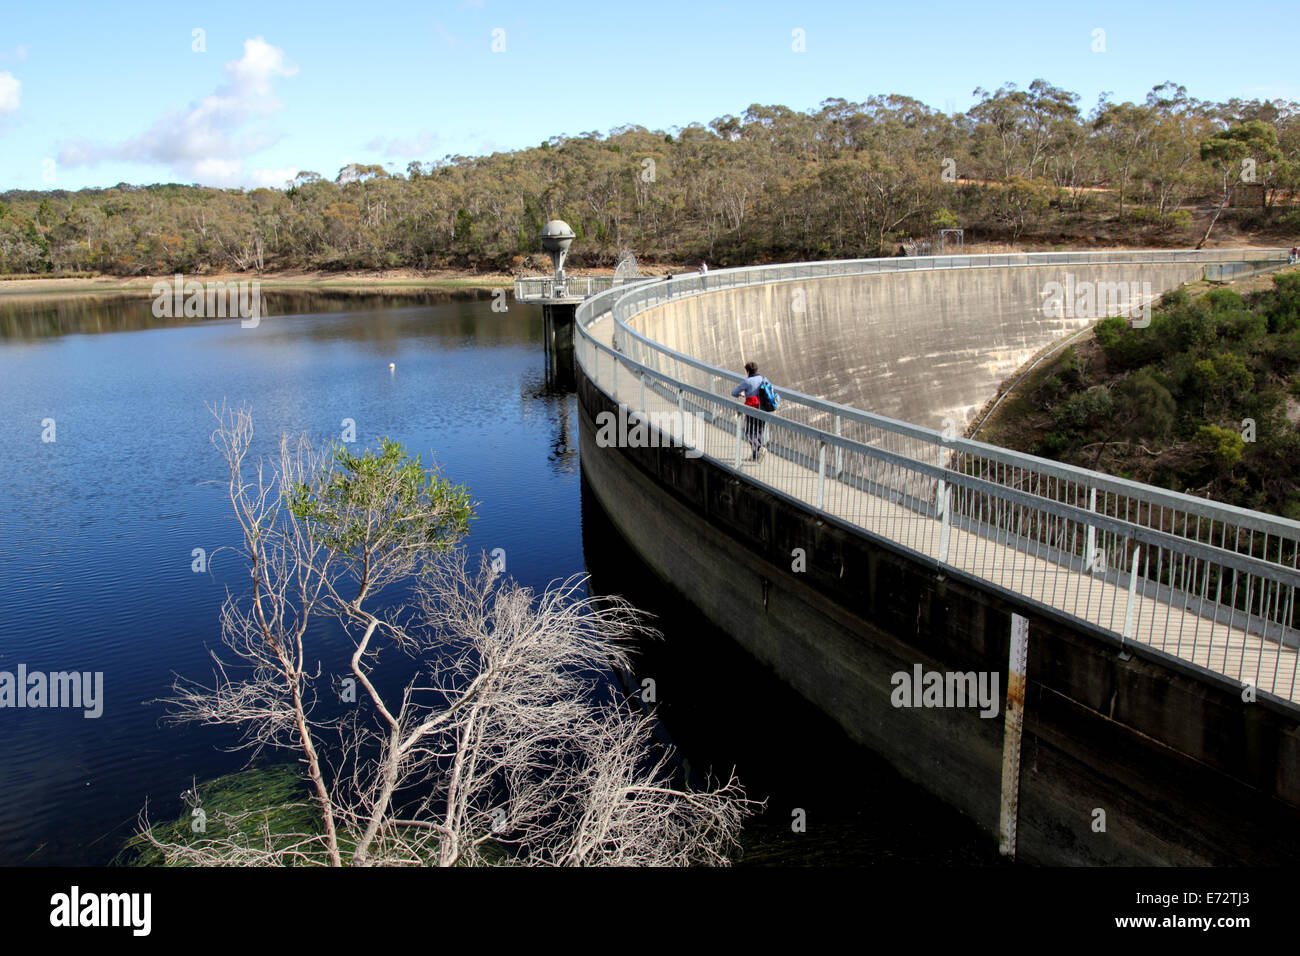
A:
x: 1224, y: 444
x: 1085, y: 409
x: 1282, y: 304
x: 1224, y: 299
x: 1108, y: 333
x: 1070, y: 367
x: 1129, y: 347
x: 1153, y: 410
x: 1174, y: 298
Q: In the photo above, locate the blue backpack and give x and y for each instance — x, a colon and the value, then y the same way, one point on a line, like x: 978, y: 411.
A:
x: 768, y: 399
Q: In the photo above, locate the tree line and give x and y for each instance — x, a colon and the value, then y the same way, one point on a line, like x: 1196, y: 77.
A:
x: 846, y: 179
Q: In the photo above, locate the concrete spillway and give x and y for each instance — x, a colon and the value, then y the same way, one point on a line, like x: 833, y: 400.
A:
x: 919, y: 346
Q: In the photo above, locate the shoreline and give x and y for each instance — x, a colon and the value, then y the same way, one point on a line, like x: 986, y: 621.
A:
x: 381, y: 282
x: 396, y: 281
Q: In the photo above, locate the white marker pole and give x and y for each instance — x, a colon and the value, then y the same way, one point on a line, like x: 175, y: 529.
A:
x: 1018, y: 658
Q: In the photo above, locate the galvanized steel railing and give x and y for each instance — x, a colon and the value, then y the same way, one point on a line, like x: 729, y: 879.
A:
x: 533, y: 288
x: 655, y: 291
x: 1210, y: 583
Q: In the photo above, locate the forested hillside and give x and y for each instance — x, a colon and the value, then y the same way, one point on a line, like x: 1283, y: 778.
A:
x: 1203, y: 400
x: 847, y: 179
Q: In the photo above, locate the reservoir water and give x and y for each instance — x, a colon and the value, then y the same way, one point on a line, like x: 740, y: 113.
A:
x: 99, y: 528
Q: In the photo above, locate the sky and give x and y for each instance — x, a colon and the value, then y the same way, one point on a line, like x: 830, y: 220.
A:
x: 240, y: 94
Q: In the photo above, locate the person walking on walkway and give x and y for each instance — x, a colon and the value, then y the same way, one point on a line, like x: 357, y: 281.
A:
x: 753, y: 425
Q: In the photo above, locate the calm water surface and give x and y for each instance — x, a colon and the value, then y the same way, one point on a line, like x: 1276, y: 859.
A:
x: 98, y: 528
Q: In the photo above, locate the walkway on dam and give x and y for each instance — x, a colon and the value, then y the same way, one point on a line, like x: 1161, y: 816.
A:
x: 1217, y: 645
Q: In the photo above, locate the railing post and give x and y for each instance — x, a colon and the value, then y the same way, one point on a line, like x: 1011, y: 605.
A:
x: 945, y: 504
x: 1090, y: 539
x: 643, y: 408
x: 1132, y: 590
x: 941, y: 502
x: 681, y: 414
x: 941, y: 490
x: 821, y: 476
x: 740, y: 420
x: 839, y: 452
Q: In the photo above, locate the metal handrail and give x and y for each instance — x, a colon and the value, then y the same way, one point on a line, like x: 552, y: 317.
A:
x: 1232, y: 559
x: 545, y: 287
x: 686, y: 285
x: 1224, y: 563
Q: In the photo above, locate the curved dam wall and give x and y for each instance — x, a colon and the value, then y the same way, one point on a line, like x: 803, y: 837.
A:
x: 1181, y: 772
x: 1129, y: 756
x: 919, y: 346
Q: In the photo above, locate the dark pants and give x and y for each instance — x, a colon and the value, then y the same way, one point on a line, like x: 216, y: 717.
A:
x: 754, y: 432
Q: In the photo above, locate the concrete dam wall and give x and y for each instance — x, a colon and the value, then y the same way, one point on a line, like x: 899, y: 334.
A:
x: 1129, y: 755
x: 1182, y: 773
x: 919, y: 346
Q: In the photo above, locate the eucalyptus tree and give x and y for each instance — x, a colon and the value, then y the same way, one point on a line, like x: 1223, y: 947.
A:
x: 1237, y: 155
x: 1015, y: 128
x: 1171, y: 167
x: 1125, y: 130
x: 1287, y: 179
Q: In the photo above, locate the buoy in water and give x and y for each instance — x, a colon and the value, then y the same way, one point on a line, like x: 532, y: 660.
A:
x: 392, y: 366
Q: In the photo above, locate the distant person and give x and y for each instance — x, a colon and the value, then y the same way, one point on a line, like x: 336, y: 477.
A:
x: 753, y: 425
x: 1295, y: 255
x: 704, y: 268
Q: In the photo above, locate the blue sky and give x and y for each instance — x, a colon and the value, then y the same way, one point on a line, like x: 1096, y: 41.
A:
x: 96, y: 94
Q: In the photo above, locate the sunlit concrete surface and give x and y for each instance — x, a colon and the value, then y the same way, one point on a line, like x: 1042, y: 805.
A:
x: 920, y: 346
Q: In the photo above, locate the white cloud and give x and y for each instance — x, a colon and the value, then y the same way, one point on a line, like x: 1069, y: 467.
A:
x: 213, y: 170
x: 273, y: 178
x: 421, y: 145
x: 10, y: 93
x: 78, y: 152
x: 209, y: 141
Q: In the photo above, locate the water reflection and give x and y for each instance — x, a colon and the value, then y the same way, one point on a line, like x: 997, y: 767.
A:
x: 557, y: 409
x: 35, y: 316
x: 98, y: 528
